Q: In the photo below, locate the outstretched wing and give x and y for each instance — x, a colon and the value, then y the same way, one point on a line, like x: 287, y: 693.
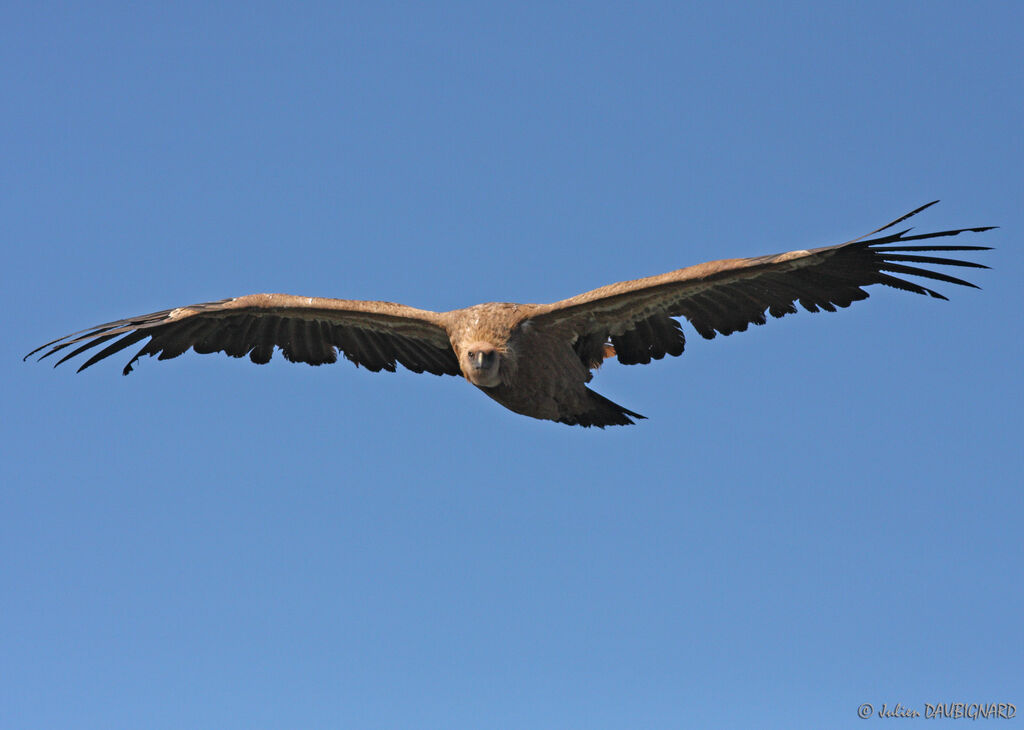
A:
x: 727, y: 296
x: 312, y: 330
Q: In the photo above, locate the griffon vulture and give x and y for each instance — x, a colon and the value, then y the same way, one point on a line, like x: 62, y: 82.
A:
x: 536, y: 359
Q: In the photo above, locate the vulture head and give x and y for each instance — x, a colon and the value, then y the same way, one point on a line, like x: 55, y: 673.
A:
x: 481, y: 364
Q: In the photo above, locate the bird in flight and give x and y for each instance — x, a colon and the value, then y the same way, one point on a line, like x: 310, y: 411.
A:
x: 536, y: 359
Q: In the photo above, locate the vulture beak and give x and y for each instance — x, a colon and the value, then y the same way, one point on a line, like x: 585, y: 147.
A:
x: 480, y: 364
x: 482, y: 358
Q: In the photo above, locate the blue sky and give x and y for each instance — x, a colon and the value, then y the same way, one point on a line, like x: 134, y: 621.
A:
x: 821, y: 512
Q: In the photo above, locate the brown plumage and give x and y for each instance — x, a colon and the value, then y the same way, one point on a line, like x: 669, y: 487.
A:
x: 536, y: 359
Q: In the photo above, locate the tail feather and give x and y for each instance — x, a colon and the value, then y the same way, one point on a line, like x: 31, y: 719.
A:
x: 600, y: 412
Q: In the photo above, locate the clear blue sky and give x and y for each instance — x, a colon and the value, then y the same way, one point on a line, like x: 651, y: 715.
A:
x: 821, y: 512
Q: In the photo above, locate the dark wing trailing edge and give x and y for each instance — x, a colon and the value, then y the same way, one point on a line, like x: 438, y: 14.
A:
x: 722, y: 297
x: 376, y: 335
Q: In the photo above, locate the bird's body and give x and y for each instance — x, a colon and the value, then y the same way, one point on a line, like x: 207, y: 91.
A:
x: 535, y: 359
x: 541, y: 375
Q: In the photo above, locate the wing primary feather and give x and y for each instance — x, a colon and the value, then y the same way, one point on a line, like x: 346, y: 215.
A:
x: 91, y: 334
x: 88, y: 345
x: 150, y: 348
x: 51, y: 342
x: 902, y: 218
x: 905, y: 285
x: 53, y: 350
x: 901, y: 236
x: 126, y: 324
x: 129, y: 339
x: 931, y: 260
x: 927, y: 274
x: 933, y: 248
